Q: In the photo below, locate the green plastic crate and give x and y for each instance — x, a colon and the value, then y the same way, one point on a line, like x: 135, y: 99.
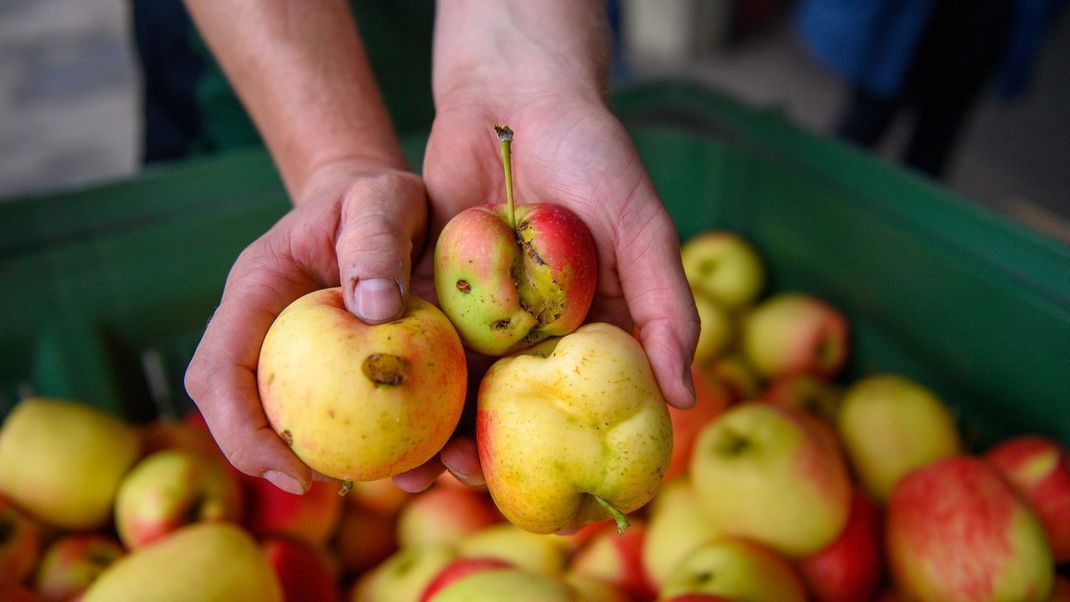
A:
x: 105, y: 292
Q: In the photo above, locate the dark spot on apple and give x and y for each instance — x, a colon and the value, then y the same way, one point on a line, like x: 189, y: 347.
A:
x: 386, y: 370
x: 533, y: 336
x: 271, y: 378
x: 464, y: 287
x: 533, y: 254
x: 499, y: 324
x: 330, y: 412
x: 287, y: 438
x: 101, y: 558
x: 731, y: 444
x: 707, y: 267
x: 704, y: 577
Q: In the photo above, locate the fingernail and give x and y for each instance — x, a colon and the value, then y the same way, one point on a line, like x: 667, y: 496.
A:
x: 377, y: 299
x: 284, y: 482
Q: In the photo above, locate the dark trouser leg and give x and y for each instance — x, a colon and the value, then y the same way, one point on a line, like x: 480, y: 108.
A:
x: 866, y: 119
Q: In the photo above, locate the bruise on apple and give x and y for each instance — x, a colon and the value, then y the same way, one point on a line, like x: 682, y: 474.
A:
x: 541, y: 295
x: 385, y: 369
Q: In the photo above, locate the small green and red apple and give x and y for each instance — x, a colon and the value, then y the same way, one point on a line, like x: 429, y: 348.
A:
x: 73, y: 562
x: 459, y: 569
x: 890, y: 425
x: 956, y: 530
x: 311, y: 517
x: 772, y: 475
x: 171, y: 489
x: 573, y: 430
x: 364, y: 539
x: 795, y: 333
x: 360, y: 402
x: 678, y: 526
x: 617, y: 559
x: 304, y: 571
x: 403, y: 576
x: 736, y: 570
x: 20, y: 542
x: 445, y: 516
x: 851, y: 568
x: 723, y: 266
x: 511, y: 275
x: 1040, y: 468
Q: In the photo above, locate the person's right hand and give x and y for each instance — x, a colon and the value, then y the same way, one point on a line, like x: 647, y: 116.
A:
x: 354, y: 225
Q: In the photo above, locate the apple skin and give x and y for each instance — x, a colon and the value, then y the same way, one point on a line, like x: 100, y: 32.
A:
x: 723, y: 266
x: 515, y: 585
x: 361, y: 402
x: 20, y: 543
x: 568, y: 420
x: 890, y: 425
x: 507, y: 290
x: 772, y: 475
x: 459, y: 569
x: 1061, y: 591
x: 170, y: 489
x: 1040, y: 468
x: 364, y: 539
x: 312, y: 517
x: 805, y: 392
x: 444, y: 515
x: 716, y: 328
x: 381, y: 496
x: 589, y: 589
x: 403, y: 576
x: 736, y: 376
x: 304, y: 571
x: 61, y: 461
x: 677, y: 527
x: 697, y: 598
x: 956, y: 530
x: 711, y: 399
x: 737, y: 570
x: 16, y: 592
x: 852, y: 566
x: 617, y: 559
x: 794, y: 333
x: 73, y: 562
x: 523, y: 549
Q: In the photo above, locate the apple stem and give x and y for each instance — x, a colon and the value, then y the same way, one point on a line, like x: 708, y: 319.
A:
x: 621, y: 519
x: 505, y: 138
x: 347, y: 486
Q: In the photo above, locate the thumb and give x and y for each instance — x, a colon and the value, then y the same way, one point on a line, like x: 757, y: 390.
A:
x: 381, y: 222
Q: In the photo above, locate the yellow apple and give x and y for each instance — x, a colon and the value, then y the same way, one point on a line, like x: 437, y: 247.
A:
x: 737, y: 570
x: 678, y: 526
x: 516, y: 546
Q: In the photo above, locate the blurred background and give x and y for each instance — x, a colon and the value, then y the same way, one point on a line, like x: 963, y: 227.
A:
x: 73, y: 86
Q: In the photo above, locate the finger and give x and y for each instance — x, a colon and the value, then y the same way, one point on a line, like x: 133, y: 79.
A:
x: 421, y: 477
x: 659, y: 300
x: 462, y: 459
x: 381, y: 223
x: 221, y: 377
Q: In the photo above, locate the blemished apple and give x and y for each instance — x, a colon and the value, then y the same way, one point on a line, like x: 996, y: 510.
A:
x: 724, y: 266
x: 61, y: 461
x: 573, y: 430
x: 852, y: 566
x: 312, y: 517
x: 956, y: 530
x: 523, y: 549
x: 73, y: 562
x: 890, y: 425
x: 677, y: 527
x: 403, y: 576
x: 515, y: 585
x: 617, y: 558
x: 511, y: 275
x: 364, y: 539
x: 361, y: 402
x: 203, y: 561
x: 170, y: 489
x: 444, y: 515
x: 460, y: 568
x: 716, y: 328
x: 1040, y: 468
x: 304, y: 571
x: 20, y: 542
x: 711, y: 399
x: 737, y: 570
x: 771, y: 474
x: 795, y: 333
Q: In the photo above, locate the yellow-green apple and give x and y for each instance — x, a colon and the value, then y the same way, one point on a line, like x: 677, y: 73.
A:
x: 73, y: 562
x: 20, y: 542
x: 806, y: 392
x: 364, y: 539
x: 617, y: 558
x: 360, y: 402
x: 523, y: 549
x: 444, y: 515
x: 200, y: 562
x: 852, y: 567
x: 170, y: 489
x: 793, y: 333
x: 678, y: 525
x: 403, y: 576
x: 61, y: 461
x: 711, y: 399
x: 573, y: 430
x: 304, y: 571
x: 737, y: 570
x: 515, y: 585
x: 772, y: 475
x: 736, y: 376
x: 589, y: 589
x: 715, y: 328
x: 1040, y: 468
x: 890, y: 425
x: 460, y: 568
x: 312, y: 517
x: 956, y: 530
x: 380, y: 495
x: 509, y: 276
x: 724, y: 266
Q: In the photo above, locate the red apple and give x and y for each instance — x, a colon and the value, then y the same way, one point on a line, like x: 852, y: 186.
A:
x: 304, y: 571
x: 72, y: 563
x: 956, y: 530
x: 1040, y: 468
x: 444, y: 515
x: 20, y: 543
x: 460, y: 568
x: 794, y: 333
x: 851, y: 567
x: 16, y: 592
x: 365, y: 538
x: 711, y: 399
x: 311, y: 517
x: 509, y: 276
x: 1061, y: 591
x: 618, y: 560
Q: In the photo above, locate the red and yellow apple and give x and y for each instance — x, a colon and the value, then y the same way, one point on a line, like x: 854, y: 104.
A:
x: 723, y: 266
x: 736, y: 570
x: 678, y: 526
x: 381, y: 495
x: 523, y: 549
x: 403, y: 576
x: 515, y: 585
x: 444, y: 515
x: 312, y: 517
x: 852, y: 566
x: 364, y: 539
x: 361, y: 402
x: 459, y: 569
x: 794, y: 333
x: 617, y: 559
x: 72, y: 563
x: 304, y: 571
